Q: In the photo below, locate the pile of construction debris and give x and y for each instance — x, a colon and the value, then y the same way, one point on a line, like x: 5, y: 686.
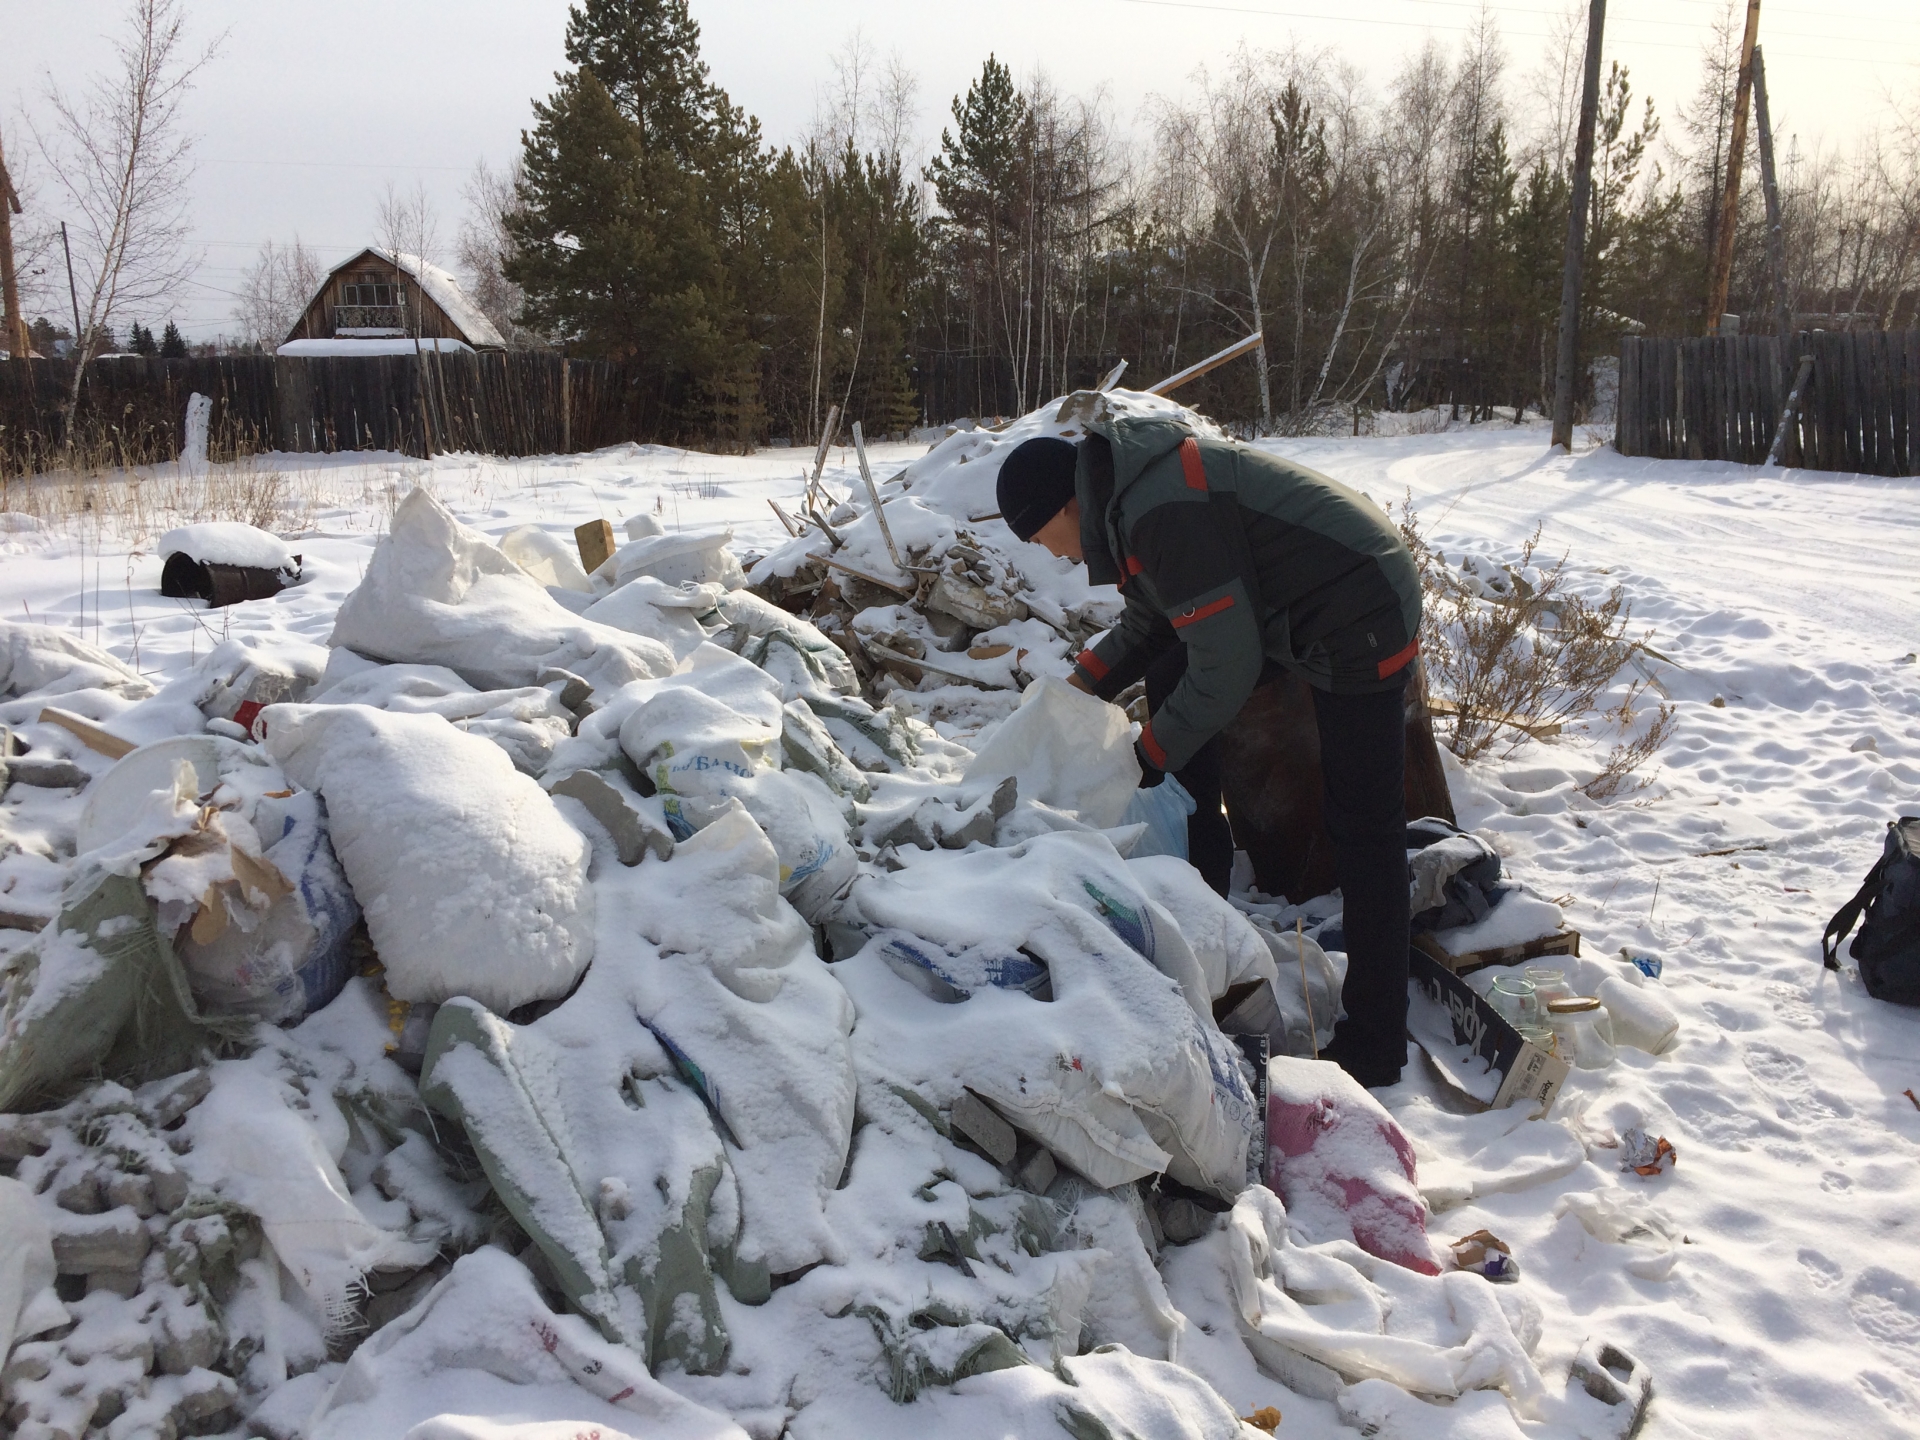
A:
x: 608, y: 990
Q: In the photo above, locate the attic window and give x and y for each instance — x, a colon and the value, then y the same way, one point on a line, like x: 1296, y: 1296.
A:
x: 371, y: 289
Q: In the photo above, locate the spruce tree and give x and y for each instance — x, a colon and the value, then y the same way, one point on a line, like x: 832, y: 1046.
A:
x: 141, y: 340
x: 173, y: 345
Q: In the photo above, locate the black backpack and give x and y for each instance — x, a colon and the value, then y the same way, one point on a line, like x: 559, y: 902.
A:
x: 1888, y: 945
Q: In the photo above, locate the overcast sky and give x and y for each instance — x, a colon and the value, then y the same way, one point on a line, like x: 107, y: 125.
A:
x: 312, y: 108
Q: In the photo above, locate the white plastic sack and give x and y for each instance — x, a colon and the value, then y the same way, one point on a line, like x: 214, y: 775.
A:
x: 41, y: 661
x: 1640, y: 1015
x: 439, y: 593
x: 471, y: 880
x: 527, y: 722
x: 545, y: 557
x: 686, y: 557
x: 1068, y: 749
x: 659, y: 611
x: 1164, y: 809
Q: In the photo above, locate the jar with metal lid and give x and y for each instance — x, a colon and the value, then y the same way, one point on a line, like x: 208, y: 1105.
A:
x: 1583, y: 1033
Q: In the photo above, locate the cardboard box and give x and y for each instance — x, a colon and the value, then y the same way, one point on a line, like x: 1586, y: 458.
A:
x: 1514, y: 1069
x: 1565, y: 941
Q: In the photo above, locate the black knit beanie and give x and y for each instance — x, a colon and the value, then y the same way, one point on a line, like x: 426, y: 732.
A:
x: 1036, y: 482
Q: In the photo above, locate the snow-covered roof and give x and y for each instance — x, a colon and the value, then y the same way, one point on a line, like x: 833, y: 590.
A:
x: 373, y: 345
x: 441, y: 287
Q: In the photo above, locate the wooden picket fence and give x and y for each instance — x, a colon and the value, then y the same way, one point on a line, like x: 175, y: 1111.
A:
x: 132, y: 409
x: 1720, y: 398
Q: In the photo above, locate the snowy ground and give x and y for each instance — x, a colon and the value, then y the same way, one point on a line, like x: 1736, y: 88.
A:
x: 1791, y: 597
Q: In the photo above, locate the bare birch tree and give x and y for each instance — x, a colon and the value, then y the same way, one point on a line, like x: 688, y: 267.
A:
x: 1224, y: 140
x: 274, y: 290
x: 408, y: 224
x: 485, y: 245
x: 122, y: 161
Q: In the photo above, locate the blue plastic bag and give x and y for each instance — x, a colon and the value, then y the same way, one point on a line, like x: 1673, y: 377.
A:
x: 1164, y: 808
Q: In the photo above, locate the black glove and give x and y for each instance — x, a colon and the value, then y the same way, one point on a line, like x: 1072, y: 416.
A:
x: 1150, y: 773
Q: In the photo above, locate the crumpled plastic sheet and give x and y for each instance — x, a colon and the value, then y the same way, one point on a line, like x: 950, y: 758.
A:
x: 1325, y: 1316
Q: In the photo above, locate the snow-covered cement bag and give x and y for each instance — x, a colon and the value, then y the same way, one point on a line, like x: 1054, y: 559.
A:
x: 738, y: 989
x: 685, y: 557
x: 483, y: 1343
x: 248, y: 1145
x: 1344, y: 1167
x: 546, y: 558
x: 1069, y: 750
x: 39, y: 662
x: 471, y: 880
x: 686, y: 1113
x: 527, y: 722
x: 1120, y: 1074
x: 712, y: 735
x: 439, y: 593
x: 667, y: 613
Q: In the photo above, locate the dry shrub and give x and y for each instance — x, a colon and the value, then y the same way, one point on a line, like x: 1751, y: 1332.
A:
x: 1519, y: 654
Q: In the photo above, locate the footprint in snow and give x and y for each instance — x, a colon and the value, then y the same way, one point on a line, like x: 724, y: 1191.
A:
x: 1886, y: 1306
x: 1826, y: 1273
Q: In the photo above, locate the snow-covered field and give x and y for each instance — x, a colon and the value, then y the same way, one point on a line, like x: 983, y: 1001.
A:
x: 1789, y: 603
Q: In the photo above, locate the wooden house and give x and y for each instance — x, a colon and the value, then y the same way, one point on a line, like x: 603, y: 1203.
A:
x: 386, y: 296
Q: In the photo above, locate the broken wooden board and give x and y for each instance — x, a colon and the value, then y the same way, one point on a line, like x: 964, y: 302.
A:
x: 595, y: 539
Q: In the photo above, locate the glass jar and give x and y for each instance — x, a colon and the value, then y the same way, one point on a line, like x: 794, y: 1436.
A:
x: 1584, y: 1033
x: 1549, y: 983
x: 1515, y: 1000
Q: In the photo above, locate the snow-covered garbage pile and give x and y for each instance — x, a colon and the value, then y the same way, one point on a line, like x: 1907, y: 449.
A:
x: 618, y: 999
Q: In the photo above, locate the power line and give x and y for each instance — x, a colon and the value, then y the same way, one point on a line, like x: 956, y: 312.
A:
x: 1350, y: 19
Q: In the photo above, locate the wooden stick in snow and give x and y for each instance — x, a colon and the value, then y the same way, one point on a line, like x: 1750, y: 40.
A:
x: 827, y: 432
x: 1212, y: 362
x: 873, y: 494
x: 1113, y: 377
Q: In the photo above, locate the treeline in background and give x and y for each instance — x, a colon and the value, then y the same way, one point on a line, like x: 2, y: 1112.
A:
x: 1398, y: 238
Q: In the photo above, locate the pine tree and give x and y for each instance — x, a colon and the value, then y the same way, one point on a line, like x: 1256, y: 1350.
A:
x: 173, y: 345
x: 637, y: 227
x: 141, y: 341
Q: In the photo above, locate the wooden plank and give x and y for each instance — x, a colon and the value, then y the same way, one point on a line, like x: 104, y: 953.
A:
x: 1624, y: 421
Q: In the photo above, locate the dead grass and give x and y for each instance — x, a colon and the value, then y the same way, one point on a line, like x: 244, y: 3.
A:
x: 99, y: 502
x: 1519, y: 655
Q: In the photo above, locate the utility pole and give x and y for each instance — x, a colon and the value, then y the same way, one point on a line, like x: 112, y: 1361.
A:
x: 1736, y: 156
x: 15, y: 324
x: 1776, y: 240
x: 1581, y: 201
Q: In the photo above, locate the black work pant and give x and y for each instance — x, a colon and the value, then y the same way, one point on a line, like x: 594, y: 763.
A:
x: 1362, y: 766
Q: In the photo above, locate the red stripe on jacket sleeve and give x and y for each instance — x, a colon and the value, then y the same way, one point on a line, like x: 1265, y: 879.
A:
x: 1152, y: 746
x: 1393, y: 663
x: 1092, y: 663
x: 1191, y: 465
x: 1194, y: 617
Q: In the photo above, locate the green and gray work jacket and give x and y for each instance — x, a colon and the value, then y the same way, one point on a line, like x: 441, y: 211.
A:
x: 1245, y: 558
